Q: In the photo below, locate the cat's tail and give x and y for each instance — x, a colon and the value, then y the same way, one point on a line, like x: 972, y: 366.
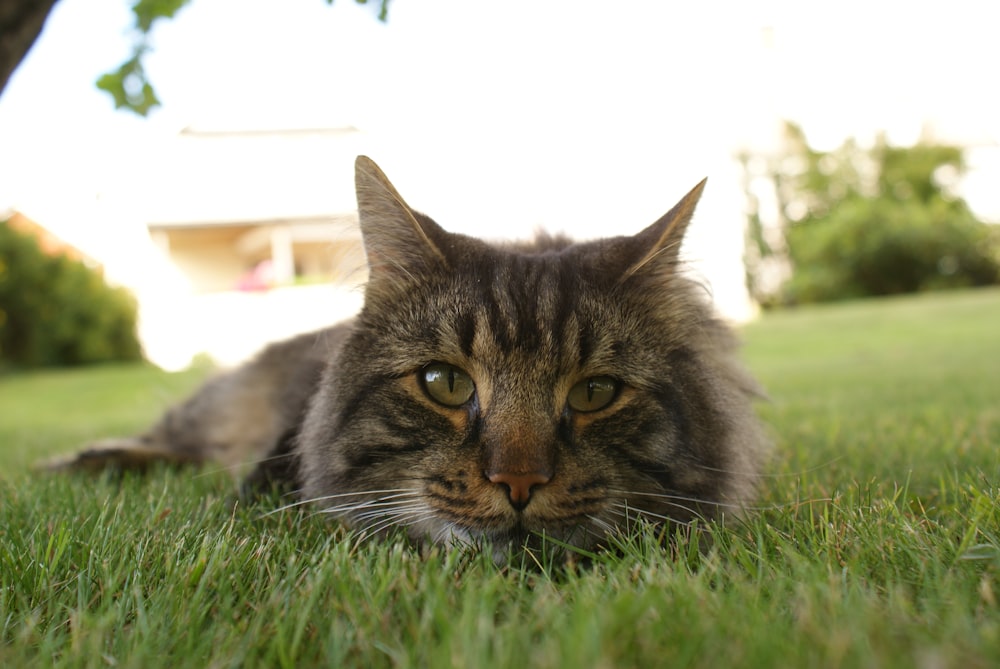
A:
x: 119, y: 455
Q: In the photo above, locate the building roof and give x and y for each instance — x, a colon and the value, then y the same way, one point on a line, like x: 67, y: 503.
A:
x: 205, y: 176
x: 49, y: 242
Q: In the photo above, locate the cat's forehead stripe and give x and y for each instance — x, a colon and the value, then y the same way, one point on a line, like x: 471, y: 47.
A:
x: 527, y: 302
x: 466, y: 330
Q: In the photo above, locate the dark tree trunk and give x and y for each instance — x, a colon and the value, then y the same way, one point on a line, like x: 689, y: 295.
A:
x: 21, y: 22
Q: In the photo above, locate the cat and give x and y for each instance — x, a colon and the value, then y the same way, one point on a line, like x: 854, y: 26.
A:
x: 490, y: 394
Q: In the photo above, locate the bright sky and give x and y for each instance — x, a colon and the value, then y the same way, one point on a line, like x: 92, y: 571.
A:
x: 497, y: 117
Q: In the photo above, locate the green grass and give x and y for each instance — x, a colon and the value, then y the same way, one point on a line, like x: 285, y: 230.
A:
x: 878, y: 542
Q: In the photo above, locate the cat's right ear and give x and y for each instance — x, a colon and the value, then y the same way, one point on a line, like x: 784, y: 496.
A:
x: 402, y: 245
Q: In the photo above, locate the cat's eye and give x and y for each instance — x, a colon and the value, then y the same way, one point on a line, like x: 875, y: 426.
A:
x: 592, y: 394
x: 447, y: 384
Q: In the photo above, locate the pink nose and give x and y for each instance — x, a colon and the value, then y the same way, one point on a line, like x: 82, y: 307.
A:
x: 519, y: 485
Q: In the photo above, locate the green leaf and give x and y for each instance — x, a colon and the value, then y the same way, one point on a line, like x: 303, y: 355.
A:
x: 147, y: 11
x: 111, y: 83
x: 128, y: 85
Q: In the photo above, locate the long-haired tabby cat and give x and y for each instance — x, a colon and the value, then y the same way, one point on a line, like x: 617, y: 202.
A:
x: 489, y: 393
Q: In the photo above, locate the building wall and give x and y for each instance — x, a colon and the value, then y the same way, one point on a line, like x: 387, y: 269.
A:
x: 231, y: 326
x: 209, y: 307
x: 209, y: 267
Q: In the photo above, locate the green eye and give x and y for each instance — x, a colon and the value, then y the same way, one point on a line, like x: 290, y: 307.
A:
x: 592, y: 394
x: 447, y: 384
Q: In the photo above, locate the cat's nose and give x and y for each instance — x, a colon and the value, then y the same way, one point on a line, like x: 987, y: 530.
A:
x: 519, y: 486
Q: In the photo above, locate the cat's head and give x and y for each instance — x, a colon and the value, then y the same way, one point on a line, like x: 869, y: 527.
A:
x: 503, y: 393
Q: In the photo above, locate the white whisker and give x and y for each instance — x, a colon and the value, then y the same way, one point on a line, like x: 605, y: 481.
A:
x: 738, y: 472
x: 324, y: 498
x: 608, y: 528
x: 211, y: 469
x: 679, y: 498
x: 719, y: 504
x: 389, y: 500
x: 386, y: 509
x: 448, y: 531
x: 603, y: 524
x: 622, y: 509
x: 349, y: 513
x: 400, y: 519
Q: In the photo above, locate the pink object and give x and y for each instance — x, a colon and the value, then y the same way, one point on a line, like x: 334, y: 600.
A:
x: 261, y: 277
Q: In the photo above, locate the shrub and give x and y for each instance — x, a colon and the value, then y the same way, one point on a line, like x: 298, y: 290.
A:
x: 57, y: 311
x: 877, y: 246
x: 855, y: 222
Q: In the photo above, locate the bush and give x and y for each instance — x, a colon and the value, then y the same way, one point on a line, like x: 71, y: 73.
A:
x: 870, y: 246
x: 856, y: 222
x: 57, y: 311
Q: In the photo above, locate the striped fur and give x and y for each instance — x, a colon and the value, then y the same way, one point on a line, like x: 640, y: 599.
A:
x: 679, y: 442
x: 526, y: 322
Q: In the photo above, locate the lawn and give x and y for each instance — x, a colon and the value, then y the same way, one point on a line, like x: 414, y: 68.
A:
x: 877, y: 543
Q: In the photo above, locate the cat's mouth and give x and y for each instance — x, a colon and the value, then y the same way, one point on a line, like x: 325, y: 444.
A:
x: 495, y: 520
x: 524, y: 535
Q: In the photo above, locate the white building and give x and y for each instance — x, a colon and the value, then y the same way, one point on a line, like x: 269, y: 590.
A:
x: 238, y: 238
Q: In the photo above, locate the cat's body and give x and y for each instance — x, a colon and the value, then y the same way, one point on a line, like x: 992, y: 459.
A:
x: 491, y: 393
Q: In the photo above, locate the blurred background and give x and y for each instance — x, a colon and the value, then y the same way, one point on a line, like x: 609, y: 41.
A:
x: 852, y: 149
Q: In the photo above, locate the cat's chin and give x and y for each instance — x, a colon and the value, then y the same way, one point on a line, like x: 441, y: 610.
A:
x: 513, y: 545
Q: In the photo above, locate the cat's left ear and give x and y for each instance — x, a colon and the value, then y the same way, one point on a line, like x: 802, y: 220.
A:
x: 658, y: 246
